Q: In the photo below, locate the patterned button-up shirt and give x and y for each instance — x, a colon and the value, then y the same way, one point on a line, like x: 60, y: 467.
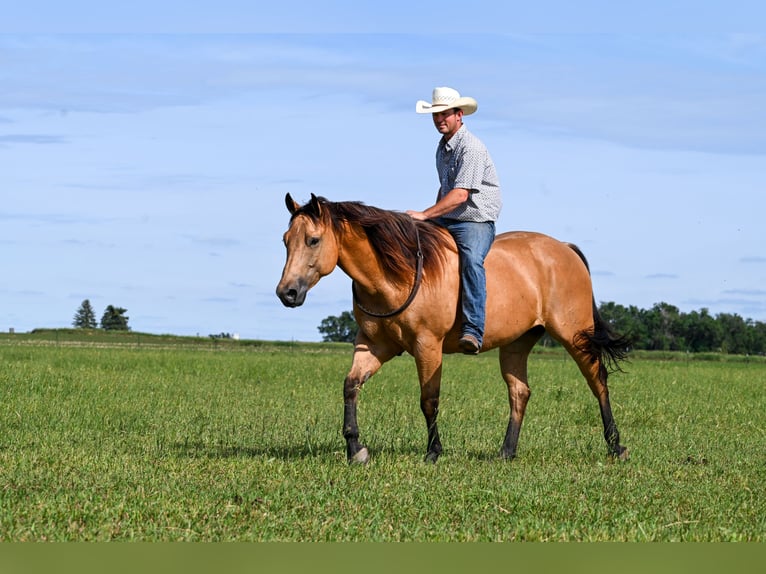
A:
x: 464, y: 162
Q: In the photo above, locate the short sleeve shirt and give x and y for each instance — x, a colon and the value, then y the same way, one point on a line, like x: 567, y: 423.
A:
x: 464, y: 162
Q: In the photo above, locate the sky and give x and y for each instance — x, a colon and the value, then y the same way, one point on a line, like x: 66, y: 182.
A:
x: 145, y: 152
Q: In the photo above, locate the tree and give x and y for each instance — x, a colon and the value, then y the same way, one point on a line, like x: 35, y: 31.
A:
x: 85, y: 317
x: 625, y: 320
x: 663, y: 324
x: 664, y: 327
x: 702, y: 332
x: 114, y: 319
x: 735, y: 333
x: 341, y: 329
x: 759, y: 338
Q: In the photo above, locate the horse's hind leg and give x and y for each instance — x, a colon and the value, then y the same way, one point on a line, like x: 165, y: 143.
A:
x: 611, y: 434
x: 513, y: 364
x: 595, y: 374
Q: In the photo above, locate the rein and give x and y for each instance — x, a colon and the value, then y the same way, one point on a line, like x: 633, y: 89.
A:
x: 413, y: 292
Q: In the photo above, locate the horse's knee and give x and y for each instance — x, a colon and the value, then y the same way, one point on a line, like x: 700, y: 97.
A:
x: 350, y: 389
x: 353, y: 384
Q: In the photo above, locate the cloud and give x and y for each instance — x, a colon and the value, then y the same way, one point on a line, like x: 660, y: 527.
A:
x: 37, y: 139
x: 214, y: 241
x: 662, y: 276
x: 753, y: 259
x: 661, y: 93
x: 706, y: 96
x: 746, y: 292
x: 151, y: 183
x: 88, y: 243
x: 743, y: 306
x: 24, y: 292
x: 82, y: 296
x: 55, y: 218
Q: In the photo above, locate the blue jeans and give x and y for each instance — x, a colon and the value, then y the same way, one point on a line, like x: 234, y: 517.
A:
x: 473, y: 241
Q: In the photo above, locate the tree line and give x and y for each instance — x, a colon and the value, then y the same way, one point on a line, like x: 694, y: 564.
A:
x: 662, y: 328
x: 113, y: 318
x: 665, y: 328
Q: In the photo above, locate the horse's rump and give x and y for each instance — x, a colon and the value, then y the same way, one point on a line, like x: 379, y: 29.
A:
x: 535, y: 280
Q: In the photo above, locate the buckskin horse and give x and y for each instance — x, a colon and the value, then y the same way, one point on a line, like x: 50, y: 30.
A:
x: 406, y: 289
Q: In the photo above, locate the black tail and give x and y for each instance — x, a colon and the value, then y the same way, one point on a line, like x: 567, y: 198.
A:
x: 602, y: 343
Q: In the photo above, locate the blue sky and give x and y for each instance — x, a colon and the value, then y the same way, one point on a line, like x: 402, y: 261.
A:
x: 144, y: 161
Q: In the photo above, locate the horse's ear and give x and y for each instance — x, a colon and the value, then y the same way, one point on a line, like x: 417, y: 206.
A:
x: 316, y: 207
x: 292, y: 205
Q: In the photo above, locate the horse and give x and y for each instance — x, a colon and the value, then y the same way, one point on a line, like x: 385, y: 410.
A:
x: 406, y: 295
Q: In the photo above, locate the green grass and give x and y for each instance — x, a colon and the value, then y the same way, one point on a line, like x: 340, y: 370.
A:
x: 242, y: 442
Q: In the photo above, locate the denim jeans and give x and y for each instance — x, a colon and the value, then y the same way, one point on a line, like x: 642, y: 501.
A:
x: 473, y: 241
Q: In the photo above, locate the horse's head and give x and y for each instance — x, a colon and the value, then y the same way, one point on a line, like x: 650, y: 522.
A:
x: 312, y: 250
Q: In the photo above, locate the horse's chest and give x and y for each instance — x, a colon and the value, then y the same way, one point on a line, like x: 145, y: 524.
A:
x: 377, y: 329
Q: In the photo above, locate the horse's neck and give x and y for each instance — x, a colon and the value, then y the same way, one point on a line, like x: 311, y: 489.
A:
x: 359, y: 261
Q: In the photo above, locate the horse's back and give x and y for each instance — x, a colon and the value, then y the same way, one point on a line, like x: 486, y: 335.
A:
x: 531, y: 252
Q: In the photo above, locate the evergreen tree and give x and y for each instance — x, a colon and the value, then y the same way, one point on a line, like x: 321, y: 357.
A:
x: 85, y: 317
x: 114, y: 319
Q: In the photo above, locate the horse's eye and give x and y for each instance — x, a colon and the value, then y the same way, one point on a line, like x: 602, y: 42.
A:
x: 313, y: 241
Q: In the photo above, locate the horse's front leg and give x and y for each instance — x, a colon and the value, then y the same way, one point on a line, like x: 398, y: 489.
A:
x: 367, y: 361
x: 355, y: 451
x: 429, y: 365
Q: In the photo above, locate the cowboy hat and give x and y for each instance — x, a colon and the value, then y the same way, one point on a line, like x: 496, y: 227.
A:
x: 446, y: 99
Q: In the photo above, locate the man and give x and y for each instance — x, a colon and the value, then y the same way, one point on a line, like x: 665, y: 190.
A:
x: 467, y: 204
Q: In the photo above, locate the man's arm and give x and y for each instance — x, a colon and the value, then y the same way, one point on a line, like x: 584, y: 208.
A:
x: 453, y: 199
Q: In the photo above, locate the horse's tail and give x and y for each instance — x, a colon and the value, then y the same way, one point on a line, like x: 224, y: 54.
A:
x: 601, y: 343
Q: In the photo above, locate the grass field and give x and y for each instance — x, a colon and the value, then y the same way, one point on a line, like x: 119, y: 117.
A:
x: 155, y: 440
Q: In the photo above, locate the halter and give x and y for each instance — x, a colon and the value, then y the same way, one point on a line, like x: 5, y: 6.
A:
x: 413, y: 292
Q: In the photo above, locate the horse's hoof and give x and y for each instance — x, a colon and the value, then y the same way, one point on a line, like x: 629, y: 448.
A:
x: 431, y: 457
x: 362, y: 457
x: 621, y: 454
x: 507, y: 456
x: 624, y: 454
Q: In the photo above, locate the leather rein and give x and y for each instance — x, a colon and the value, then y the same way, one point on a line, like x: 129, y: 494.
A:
x: 413, y: 292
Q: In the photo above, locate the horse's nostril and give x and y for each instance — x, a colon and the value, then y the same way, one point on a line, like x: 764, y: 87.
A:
x: 290, y: 297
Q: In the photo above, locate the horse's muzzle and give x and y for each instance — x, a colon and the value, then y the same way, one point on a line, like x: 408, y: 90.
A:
x: 292, y: 295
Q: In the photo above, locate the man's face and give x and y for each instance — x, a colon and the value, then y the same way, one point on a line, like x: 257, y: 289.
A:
x: 448, y: 121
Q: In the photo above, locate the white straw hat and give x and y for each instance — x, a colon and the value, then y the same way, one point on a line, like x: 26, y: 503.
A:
x: 446, y: 99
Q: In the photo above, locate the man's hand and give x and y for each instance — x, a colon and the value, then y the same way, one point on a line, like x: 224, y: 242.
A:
x: 418, y: 215
x: 446, y: 204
